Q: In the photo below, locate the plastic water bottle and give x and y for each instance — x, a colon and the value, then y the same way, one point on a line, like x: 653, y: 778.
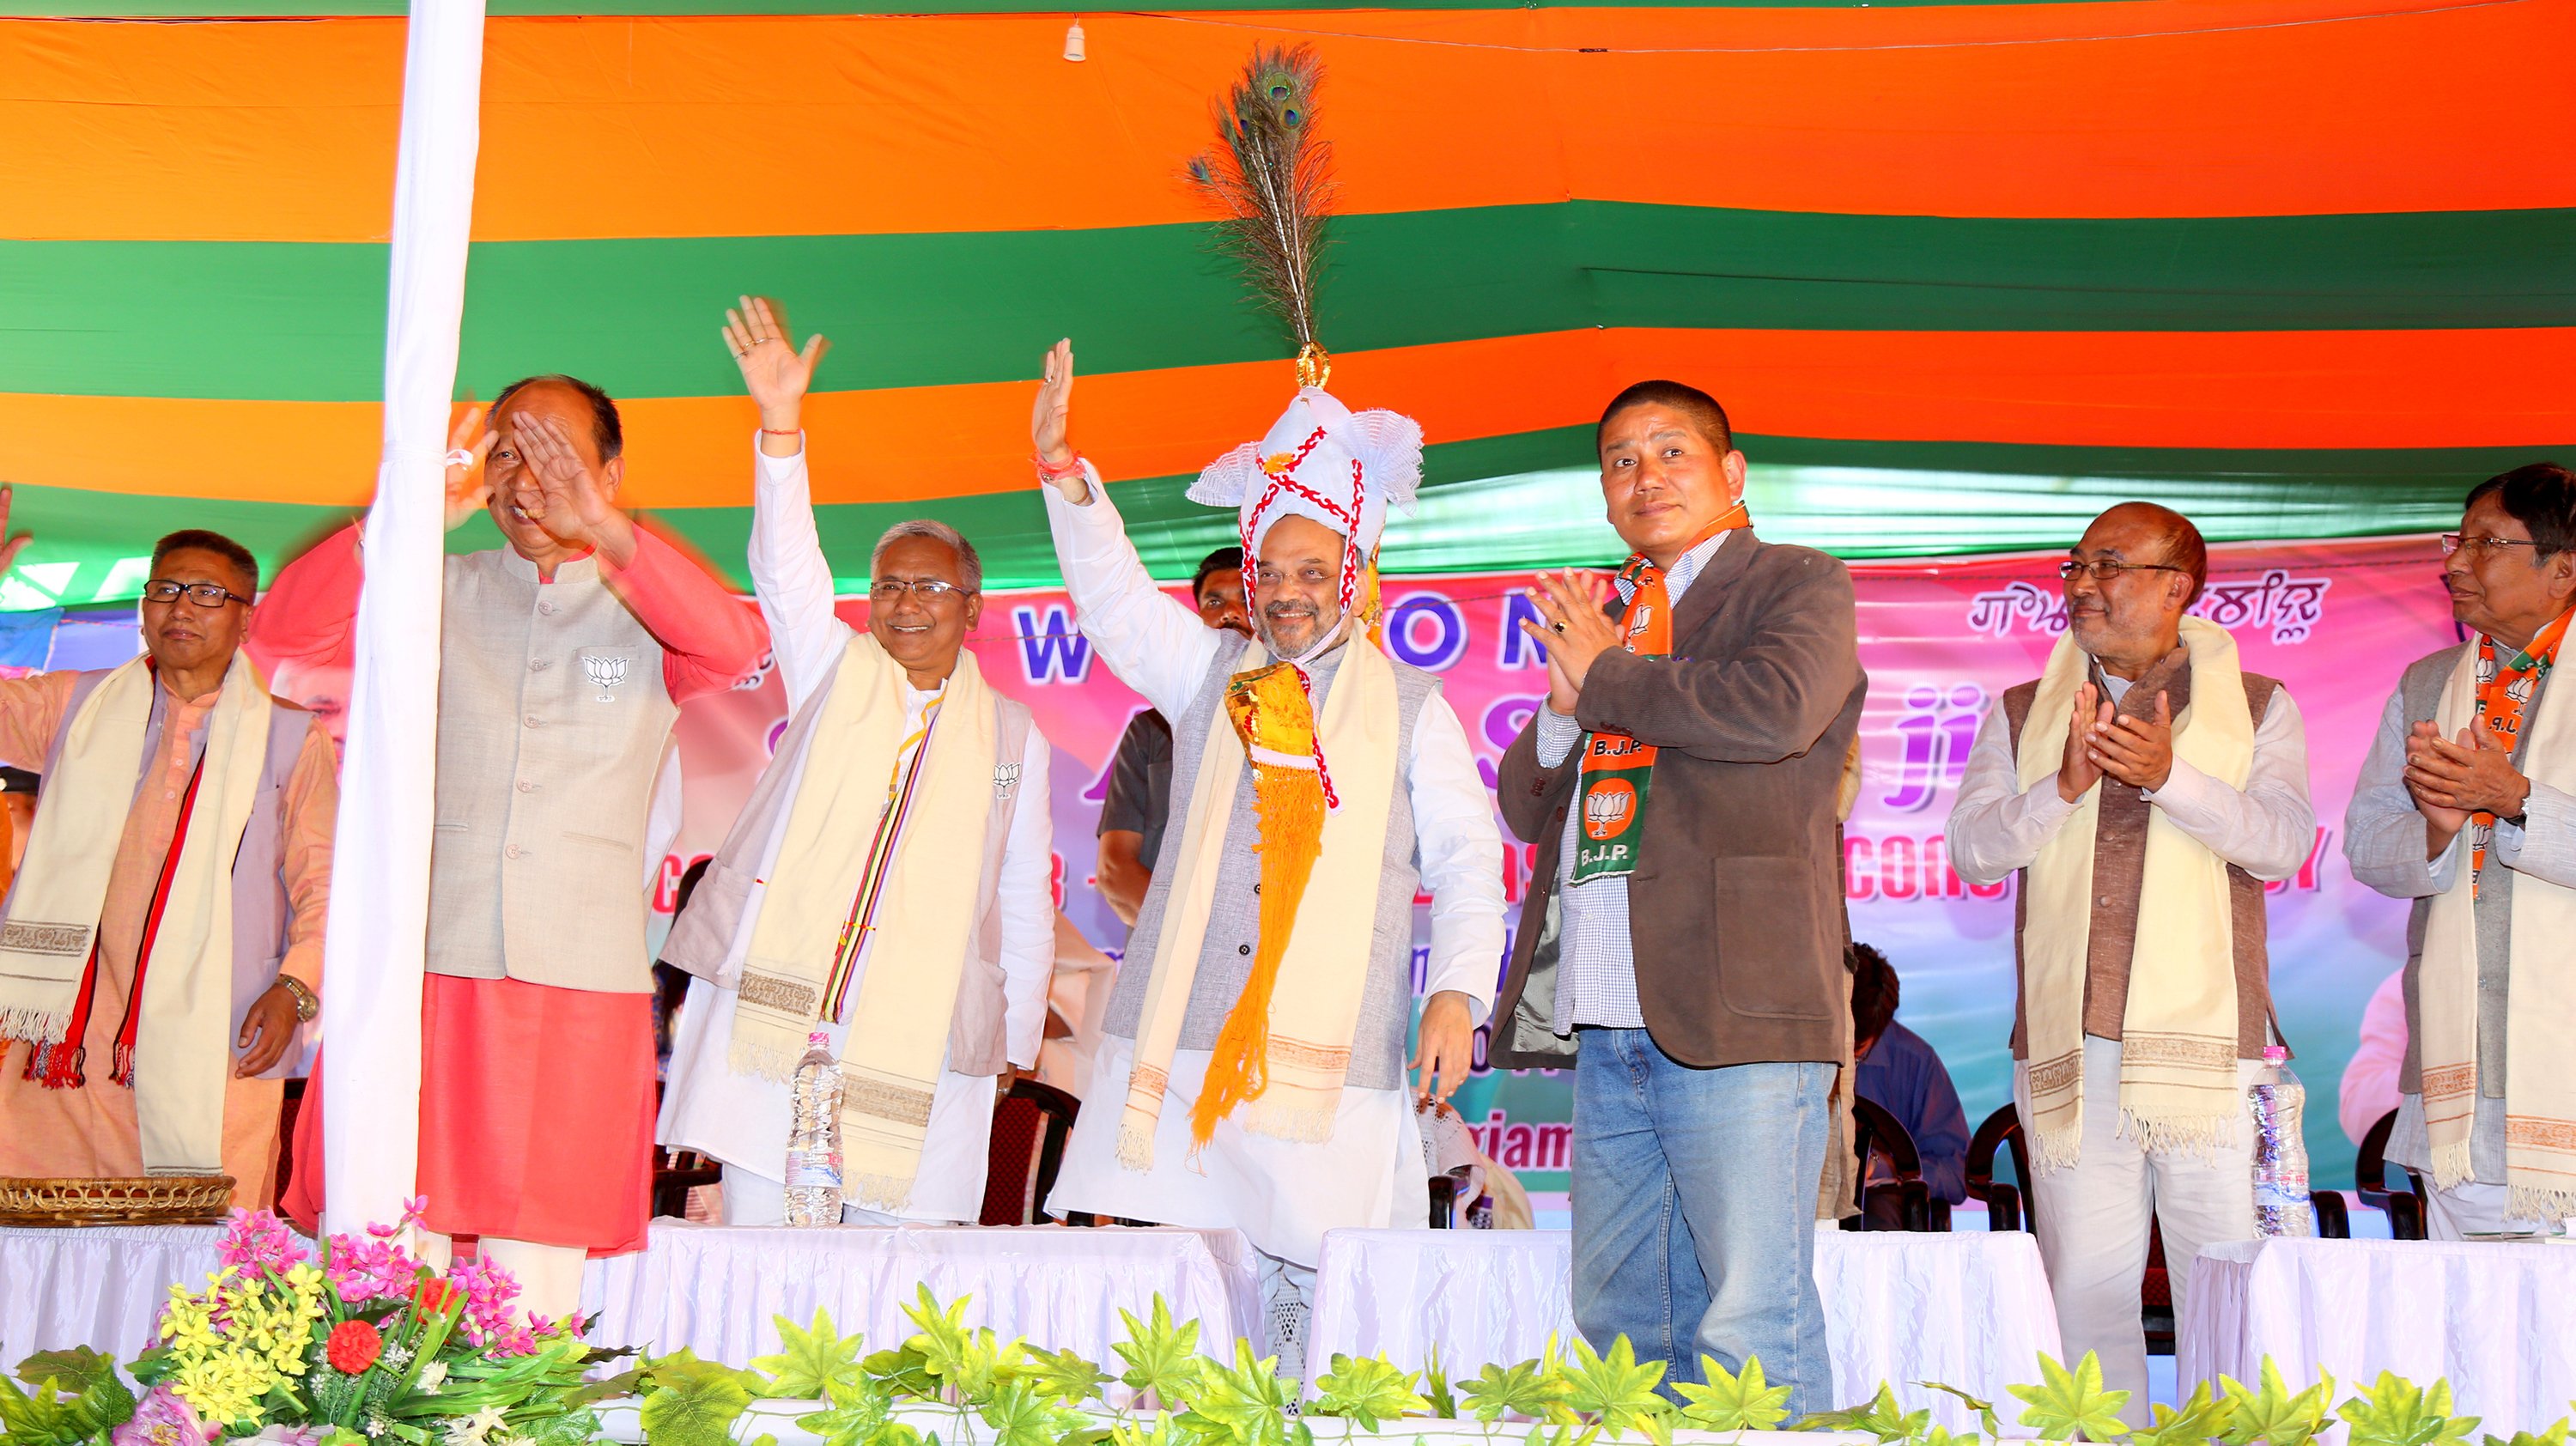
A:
x: 814, y: 1137
x: 2280, y: 1152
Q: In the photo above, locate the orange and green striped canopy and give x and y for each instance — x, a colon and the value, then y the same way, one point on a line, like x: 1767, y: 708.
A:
x: 1962, y: 273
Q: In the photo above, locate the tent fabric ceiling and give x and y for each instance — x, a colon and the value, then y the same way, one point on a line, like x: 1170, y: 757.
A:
x: 1961, y: 272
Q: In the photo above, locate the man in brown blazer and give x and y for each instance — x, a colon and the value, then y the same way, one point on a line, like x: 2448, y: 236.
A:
x: 1683, y: 939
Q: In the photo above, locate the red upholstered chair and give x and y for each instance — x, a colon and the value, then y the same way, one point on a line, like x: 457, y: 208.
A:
x: 1030, y: 1125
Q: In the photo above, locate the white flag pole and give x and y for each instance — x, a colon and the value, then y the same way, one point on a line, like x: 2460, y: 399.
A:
x: 374, y: 947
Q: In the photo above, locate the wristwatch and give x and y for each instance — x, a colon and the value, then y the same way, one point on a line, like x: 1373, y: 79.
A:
x: 307, y: 1005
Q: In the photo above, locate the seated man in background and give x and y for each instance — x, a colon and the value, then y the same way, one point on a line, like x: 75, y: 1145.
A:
x: 1898, y: 1072
x: 180, y: 794
x: 1140, y: 776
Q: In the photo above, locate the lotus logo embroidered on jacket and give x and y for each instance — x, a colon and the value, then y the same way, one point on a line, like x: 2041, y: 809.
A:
x: 604, y: 674
x: 1006, y: 779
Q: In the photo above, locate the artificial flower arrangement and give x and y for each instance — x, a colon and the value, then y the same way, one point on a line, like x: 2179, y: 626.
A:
x: 362, y: 1346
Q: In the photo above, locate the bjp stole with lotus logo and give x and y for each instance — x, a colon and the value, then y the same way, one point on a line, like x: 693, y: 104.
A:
x: 1613, y: 766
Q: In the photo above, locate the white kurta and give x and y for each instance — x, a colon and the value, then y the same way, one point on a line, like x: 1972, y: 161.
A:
x: 743, y: 1120
x: 1283, y: 1195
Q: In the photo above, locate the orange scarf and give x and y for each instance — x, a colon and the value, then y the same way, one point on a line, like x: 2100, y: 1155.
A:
x: 2503, y: 693
x: 1617, y: 769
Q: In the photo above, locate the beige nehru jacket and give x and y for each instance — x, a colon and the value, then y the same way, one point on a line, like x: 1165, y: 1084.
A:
x: 552, y: 715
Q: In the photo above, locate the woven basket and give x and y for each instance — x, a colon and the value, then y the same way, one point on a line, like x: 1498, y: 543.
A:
x: 162, y: 1200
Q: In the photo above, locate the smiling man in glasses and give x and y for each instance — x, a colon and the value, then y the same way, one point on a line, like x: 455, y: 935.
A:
x: 2467, y: 806
x: 2145, y: 786
x: 138, y: 1036
x: 887, y: 886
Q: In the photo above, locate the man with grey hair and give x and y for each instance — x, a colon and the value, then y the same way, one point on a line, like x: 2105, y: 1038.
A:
x: 903, y: 817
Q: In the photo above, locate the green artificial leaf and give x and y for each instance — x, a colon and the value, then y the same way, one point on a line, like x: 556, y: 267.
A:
x: 971, y: 1361
x: 1528, y: 1388
x: 1246, y: 1405
x: 855, y: 1413
x: 2072, y: 1405
x: 1064, y: 1376
x: 904, y: 1372
x: 1160, y: 1430
x: 1881, y: 1416
x: 1022, y: 1414
x: 32, y: 1418
x: 810, y: 1359
x: 1368, y: 1390
x: 1615, y: 1389
x: 693, y: 1403
x: 1563, y: 1434
x: 1162, y: 1358
x: 2273, y: 1415
x: 1985, y: 1409
x: 1442, y: 1401
x: 1942, y: 1436
x: 74, y: 1370
x: 2204, y: 1416
x: 2397, y: 1412
x: 2555, y: 1436
x: 1733, y: 1401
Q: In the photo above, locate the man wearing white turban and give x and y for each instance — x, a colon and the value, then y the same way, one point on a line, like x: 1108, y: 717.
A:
x: 1252, y: 1068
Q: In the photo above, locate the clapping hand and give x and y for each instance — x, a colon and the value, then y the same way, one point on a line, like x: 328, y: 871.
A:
x: 1575, y: 632
x: 2077, y: 771
x: 773, y: 370
x: 2136, y: 751
x: 2474, y: 775
x: 560, y: 492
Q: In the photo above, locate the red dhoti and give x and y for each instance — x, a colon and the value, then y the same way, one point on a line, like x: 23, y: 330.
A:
x: 536, y: 1116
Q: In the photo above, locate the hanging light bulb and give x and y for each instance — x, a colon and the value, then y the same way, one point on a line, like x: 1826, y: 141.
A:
x: 1073, y: 41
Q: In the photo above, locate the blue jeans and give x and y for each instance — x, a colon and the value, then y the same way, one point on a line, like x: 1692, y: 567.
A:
x: 1694, y: 1197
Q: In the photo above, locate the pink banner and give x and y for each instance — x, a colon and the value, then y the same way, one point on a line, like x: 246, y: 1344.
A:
x: 2334, y: 621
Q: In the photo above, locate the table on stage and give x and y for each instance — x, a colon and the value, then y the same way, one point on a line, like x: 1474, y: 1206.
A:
x: 1967, y: 1310
x: 2498, y: 1321
x: 714, y: 1288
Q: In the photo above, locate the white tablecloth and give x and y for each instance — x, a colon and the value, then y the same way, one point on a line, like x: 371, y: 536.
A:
x: 103, y: 1286
x: 714, y: 1288
x: 1968, y: 1310
x: 2498, y: 1321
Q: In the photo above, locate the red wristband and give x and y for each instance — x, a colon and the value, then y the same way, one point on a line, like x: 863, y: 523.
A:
x: 774, y: 432
x: 1050, y: 471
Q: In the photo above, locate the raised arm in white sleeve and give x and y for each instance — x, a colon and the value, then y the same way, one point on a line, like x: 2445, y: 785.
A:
x: 1462, y: 859
x: 1996, y: 826
x: 789, y: 575
x: 2268, y: 827
x: 1028, y: 910
x: 1150, y: 639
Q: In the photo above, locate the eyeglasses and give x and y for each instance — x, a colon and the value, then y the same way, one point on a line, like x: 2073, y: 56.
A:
x: 928, y: 589
x: 203, y: 594
x: 2489, y: 546
x: 2106, y: 570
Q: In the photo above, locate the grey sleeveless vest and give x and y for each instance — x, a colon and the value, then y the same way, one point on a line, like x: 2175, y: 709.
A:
x: 1234, y: 920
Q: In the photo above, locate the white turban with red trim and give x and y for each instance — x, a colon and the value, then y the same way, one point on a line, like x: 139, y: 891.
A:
x: 1322, y: 461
